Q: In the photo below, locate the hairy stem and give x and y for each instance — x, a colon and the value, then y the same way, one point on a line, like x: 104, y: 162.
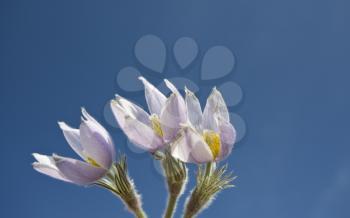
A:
x: 119, y: 183
x: 139, y: 213
x: 134, y: 205
x: 172, y: 201
x: 208, y: 169
x: 176, y: 178
x: 187, y: 215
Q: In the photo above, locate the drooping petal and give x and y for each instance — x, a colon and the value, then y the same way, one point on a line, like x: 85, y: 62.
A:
x: 73, y: 138
x: 96, y: 141
x: 173, y: 115
x: 215, y: 108
x: 79, y: 172
x: 190, y: 147
x: 227, y: 137
x: 46, y: 165
x: 154, y: 98
x: 194, y: 111
x: 138, y: 132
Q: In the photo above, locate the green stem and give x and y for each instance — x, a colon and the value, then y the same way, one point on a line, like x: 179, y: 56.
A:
x: 208, y: 169
x: 171, y: 206
x: 134, y: 205
x: 139, y: 213
x: 188, y: 216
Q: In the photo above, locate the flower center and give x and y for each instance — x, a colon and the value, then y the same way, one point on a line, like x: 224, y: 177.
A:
x: 213, y: 140
x: 92, y: 162
x: 156, y: 125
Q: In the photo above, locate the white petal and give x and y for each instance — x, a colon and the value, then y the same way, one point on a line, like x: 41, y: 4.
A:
x: 215, y: 108
x: 173, y: 115
x: 190, y: 147
x: 194, y: 111
x: 154, y: 98
x: 171, y: 87
x: 142, y: 135
x: 73, y: 138
x: 46, y: 165
x: 45, y: 160
x: 227, y: 137
x: 44, y: 169
x: 96, y: 141
x: 79, y: 172
x: 130, y: 109
x: 138, y: 132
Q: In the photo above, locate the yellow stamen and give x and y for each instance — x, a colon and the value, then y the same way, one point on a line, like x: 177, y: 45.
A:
x: 157, y: 128
x: 213, y: 140
x: 92, y: 162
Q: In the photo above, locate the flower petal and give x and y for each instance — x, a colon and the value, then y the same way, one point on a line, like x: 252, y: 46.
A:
x: 215, y: 108
x: 194, y: 111
x: 227, y: 137
x: 130, y: 109
x: 173, y: 115
x: 142, y: 135
x: 96, y: 141
x: 46, y: 165
x: 138, y: 132
x: 190, y: 147
x: 171, y: 87
x: 154, y: 98
x: 73, y: 138
x: 45, y: 160
x: 79, y: 172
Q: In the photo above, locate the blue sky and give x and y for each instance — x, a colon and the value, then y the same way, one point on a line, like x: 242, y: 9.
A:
x: 292, y: 64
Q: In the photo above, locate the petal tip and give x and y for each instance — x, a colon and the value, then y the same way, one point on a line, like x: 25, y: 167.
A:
x: 143, y: 79
x: 84, y: 112
x: 36, y: 156
x: 63, y: 126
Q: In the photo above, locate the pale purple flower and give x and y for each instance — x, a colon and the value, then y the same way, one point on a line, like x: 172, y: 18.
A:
x: 151, y: 131
x: 207, y: 136
x: 92, y: 143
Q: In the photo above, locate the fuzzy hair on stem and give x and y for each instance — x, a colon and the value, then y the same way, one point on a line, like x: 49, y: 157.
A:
x: 207, y: 188
x: 175, y: 173
x: 120, y: 184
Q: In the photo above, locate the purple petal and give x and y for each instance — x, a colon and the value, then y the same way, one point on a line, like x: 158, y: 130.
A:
x: 46, y: 165
x: 129, y: 109
x: 73, y: 138
x: 142, y: 135
x: 154, y: 98
x: 194, y: 111
x: 173, y: 115
x: 190, y: 147
x: 171, y: 87
x: 227, y: 137
x: 79, y: 172
x: 96, y: 141
x: 138, y: 132
x: 215, y: 108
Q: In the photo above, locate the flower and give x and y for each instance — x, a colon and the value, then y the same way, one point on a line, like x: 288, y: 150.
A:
x: 207, y: 136
x: 151, y: 131
x: 92, y: 143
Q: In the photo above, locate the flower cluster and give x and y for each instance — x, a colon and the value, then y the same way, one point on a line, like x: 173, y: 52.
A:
x: 175, y: 130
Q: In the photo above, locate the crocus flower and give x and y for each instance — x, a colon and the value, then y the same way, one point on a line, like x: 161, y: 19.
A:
x: 92, y: 143
x: 151, y: 131
x: 207, y: 136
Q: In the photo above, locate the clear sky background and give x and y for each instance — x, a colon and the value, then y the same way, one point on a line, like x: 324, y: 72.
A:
x: 292, y: 63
